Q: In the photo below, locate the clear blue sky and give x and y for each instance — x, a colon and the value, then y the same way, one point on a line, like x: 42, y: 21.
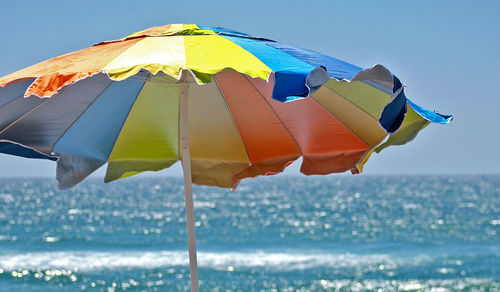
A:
x: 446, y: 52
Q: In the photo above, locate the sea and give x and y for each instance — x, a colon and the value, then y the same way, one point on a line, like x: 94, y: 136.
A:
x: 278, y: 233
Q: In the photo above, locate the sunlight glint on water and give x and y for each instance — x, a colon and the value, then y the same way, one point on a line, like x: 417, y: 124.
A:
x: 288, y: 233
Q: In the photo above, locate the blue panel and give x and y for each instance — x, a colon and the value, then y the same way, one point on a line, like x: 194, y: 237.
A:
x: 18, y: 150
x: 274, y: 59
x: 394, y: 113
x: 336, y: 68
x: 290, y: 72
x: 291, y: 65
x: 221, y: 30
x: 13, y: 91
x: 431, y: 116
x: 95, y: 132
x: 288, y: 85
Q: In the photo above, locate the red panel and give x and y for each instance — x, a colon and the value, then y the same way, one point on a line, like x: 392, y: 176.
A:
x: 326, y: 144
x: 268, y: 144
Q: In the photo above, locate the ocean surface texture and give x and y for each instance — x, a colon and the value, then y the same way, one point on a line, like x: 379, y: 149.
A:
x: 335, y: 233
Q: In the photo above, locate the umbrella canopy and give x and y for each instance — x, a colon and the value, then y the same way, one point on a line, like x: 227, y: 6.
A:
x: 229, y: 105
x: 118, y: 102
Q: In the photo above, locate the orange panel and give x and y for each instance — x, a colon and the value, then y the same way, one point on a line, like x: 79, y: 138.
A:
x: 326, y: 144
x: 63, y: 70
x: 151, y: 31
x: 268, y: 144
x: 157, y: 30
x: 47, y: 86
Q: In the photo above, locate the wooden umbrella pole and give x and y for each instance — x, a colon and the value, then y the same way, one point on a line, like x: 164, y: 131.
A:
x: 188, y: 187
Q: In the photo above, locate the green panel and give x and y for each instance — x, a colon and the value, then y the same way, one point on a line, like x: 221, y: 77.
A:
x: 412, y: 124
x: 366, y: 97
x: 125, y: 168
x: 149, y: 137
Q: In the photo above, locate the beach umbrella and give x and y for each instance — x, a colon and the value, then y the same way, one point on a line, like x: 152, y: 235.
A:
x: 226, y: 104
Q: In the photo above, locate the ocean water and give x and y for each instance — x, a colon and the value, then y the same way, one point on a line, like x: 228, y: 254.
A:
x: 334, y: 233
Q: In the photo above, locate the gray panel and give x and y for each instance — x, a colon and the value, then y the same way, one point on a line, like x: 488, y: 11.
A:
x: 42, y: 128
x: 16, y: 109
x: 11, y: 92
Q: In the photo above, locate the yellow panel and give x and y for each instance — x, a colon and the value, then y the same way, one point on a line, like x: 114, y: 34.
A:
x: 358, y: 121
x: 409, y: 129
x: 171, y: 29
x: 361, y: 164
x: 154, y: 54
x: 194, y: 29
x: 216, y: 173
x: 209, y: 54
x: 149, y: 138
x: 217, y: 152
x: 412, y: 124
x: 158, y: 30
x: 364, y: 96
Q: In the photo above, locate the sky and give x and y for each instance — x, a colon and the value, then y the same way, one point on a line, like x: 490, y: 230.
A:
x: 446, y: 52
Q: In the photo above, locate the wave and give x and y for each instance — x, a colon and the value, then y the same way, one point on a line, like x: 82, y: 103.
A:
x: 97, y: 260
x: 453, y: 284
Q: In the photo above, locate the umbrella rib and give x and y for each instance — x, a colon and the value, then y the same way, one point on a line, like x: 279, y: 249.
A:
x: 276, y: 114
x: 125, y: 120
x: 45, y: 99
x: 343, y: 124
x: 232, y: 118
x: 15, y: 98
x: 119, y: 55
x: 22, y: 117
x: 354, y: 104
x: 80, y: 115
x: 10, y: 103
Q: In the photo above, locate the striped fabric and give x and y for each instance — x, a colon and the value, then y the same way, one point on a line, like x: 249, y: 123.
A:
x: 118, y: 103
